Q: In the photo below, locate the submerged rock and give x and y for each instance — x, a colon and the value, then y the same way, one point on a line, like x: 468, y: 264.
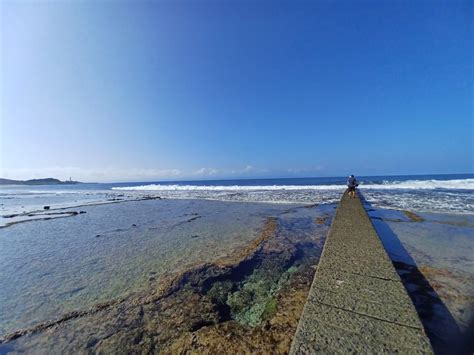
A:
x: 413, y: 216
x: 246, y: 301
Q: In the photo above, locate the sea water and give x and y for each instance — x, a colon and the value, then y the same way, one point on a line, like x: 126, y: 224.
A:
x: 98, y: 242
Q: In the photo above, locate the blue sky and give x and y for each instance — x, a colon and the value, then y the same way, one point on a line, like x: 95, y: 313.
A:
x: 111, y: 91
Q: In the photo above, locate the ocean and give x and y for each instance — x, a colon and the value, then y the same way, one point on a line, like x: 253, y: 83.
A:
x: 427, y: 193
x: 236, y: 256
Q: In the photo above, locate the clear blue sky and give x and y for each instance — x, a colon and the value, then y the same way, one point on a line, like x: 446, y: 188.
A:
x: 109, y: 91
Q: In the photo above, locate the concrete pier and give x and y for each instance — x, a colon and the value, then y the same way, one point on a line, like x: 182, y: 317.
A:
x: 357, y: 302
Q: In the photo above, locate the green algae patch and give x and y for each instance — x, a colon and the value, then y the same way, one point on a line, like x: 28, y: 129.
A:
x: 254, y: 302
x: 270, y: 309
x: 250, y: 300
x: 220, y: 291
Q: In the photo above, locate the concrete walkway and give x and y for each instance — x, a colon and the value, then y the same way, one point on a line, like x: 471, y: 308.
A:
x: 357, y: 302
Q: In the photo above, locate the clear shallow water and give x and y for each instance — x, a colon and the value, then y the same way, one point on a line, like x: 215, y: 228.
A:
x: 48, y: 268
x: 434, y: 255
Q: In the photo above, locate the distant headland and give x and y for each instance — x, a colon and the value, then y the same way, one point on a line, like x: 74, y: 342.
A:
x: 45, y: 181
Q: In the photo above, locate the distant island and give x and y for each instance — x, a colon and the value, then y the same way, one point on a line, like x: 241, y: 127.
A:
x: 45, y: 181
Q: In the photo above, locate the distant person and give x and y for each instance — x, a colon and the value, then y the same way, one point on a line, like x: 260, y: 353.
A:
x: 351, y: 186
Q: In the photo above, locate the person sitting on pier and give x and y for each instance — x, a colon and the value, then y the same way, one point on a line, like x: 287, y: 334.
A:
x: 351, y: 186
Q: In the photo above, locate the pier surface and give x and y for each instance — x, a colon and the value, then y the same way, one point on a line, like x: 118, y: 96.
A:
x: 357, y: 302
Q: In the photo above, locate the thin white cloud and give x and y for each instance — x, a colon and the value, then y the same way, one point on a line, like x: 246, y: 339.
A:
x: 249, y: 169
x: 206, y: 172
x: 312, y: 169
x: 112, y: 174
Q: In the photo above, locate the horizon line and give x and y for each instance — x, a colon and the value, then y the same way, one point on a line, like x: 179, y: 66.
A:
x: 242, y: 178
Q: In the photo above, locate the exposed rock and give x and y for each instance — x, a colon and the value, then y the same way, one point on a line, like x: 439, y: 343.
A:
x: 323, y: 220
x: 413, y: 216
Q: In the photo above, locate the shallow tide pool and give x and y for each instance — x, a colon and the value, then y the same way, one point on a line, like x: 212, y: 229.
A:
x: 51, y: 267
x: 434, y: 255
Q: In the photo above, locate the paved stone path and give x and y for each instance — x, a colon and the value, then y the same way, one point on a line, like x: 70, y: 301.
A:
x: 357, y: 302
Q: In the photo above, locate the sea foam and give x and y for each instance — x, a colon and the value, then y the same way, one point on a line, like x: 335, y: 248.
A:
x: 456, y: 184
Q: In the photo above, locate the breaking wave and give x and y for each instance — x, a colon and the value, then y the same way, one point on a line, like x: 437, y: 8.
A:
x: 155, y: 187
x: 456, y: 184
x: 445, y: 196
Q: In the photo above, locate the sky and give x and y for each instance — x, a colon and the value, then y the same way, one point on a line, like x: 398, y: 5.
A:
x: 172, y: 90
